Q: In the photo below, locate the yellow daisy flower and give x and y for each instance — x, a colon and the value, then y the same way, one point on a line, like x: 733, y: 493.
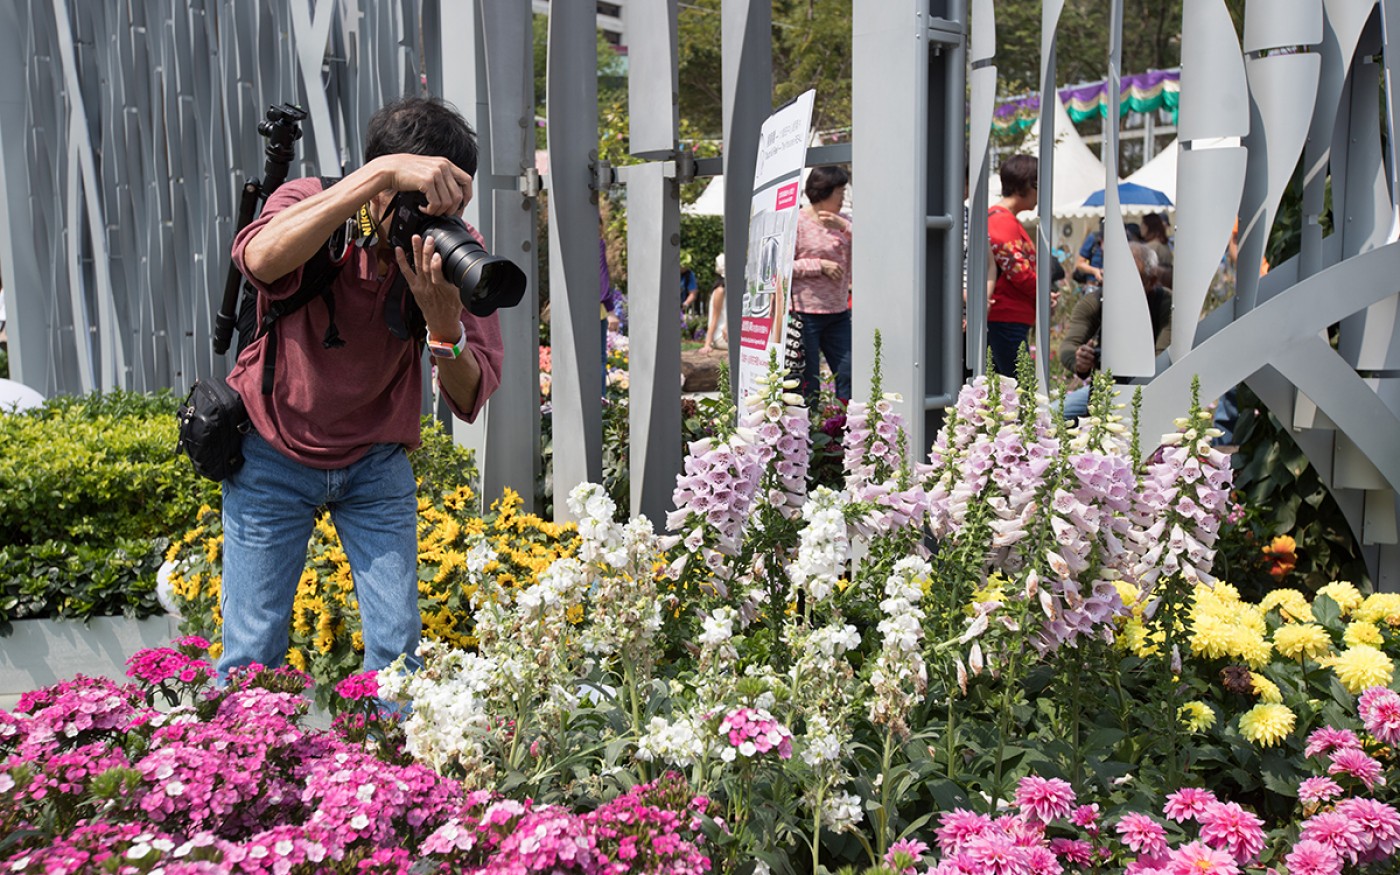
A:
x: 1197, y: 715
x: 1362, y: 632
x: 1347, y: 596
x: 1380, y: 607
x: 1265, y: 689
x: 1267, y: 723
x: 1292, y: 605
x: 1299, y: 640
x: 1361, y: 667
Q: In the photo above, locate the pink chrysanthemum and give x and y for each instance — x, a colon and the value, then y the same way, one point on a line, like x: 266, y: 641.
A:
x: 1313, y: 858
x: 1329, y: 738
x: 1086, y: 817
x: 1335, y: 830
x: 1143, y: 835
x: 1354, y: 762
x: 1044, y: 799
x: 1187, y: 803
x: 1380, y: 711
x: 994, y: 853
x: 1318, y: 789
x: 957, y: 828
x: 1042, y: 861
x: 1380, y: 823
x: 1198, y: 858
x: 1076, y: 852
x: 1227, y: 826
x: 913, y: 847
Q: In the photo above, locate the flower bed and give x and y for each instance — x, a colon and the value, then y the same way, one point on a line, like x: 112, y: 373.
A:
x: 1011, y: 660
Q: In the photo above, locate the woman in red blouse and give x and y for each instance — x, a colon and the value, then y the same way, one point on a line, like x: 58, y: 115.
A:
x: 1011, y: 310
x: 821, y: 282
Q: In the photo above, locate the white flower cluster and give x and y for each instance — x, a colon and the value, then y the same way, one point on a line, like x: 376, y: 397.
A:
x: 450, y: 705
x: 718, y: 628
x: 680, y: 742
x: 777, y: 426
x: 600, y: 538
x: 842, y: 812
x: 823, y: 547
x: 834, y: 640
x: 900, y: 675
x: 821, y: 743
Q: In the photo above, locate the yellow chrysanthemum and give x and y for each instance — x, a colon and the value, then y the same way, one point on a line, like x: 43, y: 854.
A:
x: 1347, y: 596
x: 1362, y: 632
x: 1267, y: 723
x: 1265, y: 689
x: 1135, y: 638
x: 1197, y: 715
x: 1380, y: 607
x: 1292, y: 605
x: 1250, y: 645
x: 1210, y: 636
x: 1299, y: 640
x: 1361, y: 667
x: 1129, y: 594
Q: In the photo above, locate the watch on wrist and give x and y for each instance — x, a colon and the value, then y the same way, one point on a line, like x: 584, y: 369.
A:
x: 448, y: 350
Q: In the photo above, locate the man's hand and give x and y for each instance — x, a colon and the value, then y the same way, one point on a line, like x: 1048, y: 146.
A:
x: 831, y: 269
x: 439, y: 299
x: 447, y: 187
x: 834, y: 221
x: 1084, y: 359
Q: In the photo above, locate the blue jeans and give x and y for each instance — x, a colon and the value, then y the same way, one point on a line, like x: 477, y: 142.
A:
x: 1005, y: 339
x: 1077, y: 403
x: 827, y: 334
x: 270, y: 508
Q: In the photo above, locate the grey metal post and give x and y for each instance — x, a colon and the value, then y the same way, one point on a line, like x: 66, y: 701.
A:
x: 1049, y: 20
x: 907, y: 145
x: 653, y: 264
x: 747, y: 88
x: 572, y: 107
x: 499, y: 87
x: 19, y: 264
x: 982, y: 88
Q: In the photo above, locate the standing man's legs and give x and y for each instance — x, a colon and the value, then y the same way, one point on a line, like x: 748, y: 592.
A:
x: 269, y: 510
x: 375, y: 509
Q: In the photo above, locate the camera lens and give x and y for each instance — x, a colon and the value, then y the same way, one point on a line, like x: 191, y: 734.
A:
x: 486, y: 282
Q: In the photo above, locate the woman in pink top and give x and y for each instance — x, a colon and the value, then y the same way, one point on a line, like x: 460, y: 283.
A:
x: 821, y: 282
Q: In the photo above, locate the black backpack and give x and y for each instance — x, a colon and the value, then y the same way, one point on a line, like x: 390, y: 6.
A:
x: 317, y: 279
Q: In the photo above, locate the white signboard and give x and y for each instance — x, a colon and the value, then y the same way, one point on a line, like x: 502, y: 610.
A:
x: 782, y: 151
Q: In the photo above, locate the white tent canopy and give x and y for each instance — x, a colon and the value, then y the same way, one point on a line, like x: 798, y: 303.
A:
x: 1078, y: 172
x: 1160, y: 172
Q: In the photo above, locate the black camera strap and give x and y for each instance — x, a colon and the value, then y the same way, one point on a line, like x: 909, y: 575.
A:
x: 317, y: 280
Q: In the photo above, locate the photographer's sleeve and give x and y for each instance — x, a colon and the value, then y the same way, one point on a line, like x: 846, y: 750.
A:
x: 484, y: 344
x: 287, y: 193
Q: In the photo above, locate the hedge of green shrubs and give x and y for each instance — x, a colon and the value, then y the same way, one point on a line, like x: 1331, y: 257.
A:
x: 91, y: 492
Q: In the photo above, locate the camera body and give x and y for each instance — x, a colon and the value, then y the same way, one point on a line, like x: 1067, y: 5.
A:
x: 485, y: 282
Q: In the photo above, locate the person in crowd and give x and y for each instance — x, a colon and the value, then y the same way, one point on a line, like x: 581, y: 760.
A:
x: 1081, y: 347
x: 717, y: 333
x: 1157, y: 238
x: 690, y: 289
x: 821, y: 280
x: 1011, y: 312
x: 336, y: 428
x: 1088, y: 267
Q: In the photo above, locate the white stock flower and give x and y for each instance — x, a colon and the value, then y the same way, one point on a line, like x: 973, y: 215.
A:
x: 842, y: 812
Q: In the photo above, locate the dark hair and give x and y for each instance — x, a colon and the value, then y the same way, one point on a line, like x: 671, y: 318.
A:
x: 421, y: 126
x: 1154, y: 227
x: 822, y: 181
x: 1019, y: 174
x: 1134, y: 232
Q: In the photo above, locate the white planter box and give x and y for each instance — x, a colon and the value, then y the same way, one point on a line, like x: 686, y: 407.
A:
x: 39, y: 653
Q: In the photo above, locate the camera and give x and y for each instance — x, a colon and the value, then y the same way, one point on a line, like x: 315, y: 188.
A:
x: 486, y: 282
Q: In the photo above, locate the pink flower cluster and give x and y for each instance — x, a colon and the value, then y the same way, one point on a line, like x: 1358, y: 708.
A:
x: 1184, y: 495
x: 752, y: 732
x: 1342, y: 748
x: 1379, y: 708
x: 162, y: 665
x: 651, y: 828
x: 873, y: 450
x: 91, y: 778
x: 714, y: 493
x: 364, y: 685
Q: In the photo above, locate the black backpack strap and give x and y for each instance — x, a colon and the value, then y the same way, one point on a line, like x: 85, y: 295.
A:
x: 317, y: 281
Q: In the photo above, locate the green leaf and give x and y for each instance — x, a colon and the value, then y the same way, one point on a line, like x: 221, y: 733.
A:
x: 1326, y: 611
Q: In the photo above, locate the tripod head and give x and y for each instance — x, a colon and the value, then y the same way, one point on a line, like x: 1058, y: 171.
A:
x: 282, y: 128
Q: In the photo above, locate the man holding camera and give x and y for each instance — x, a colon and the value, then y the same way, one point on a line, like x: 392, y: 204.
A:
x: 333, y: 419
